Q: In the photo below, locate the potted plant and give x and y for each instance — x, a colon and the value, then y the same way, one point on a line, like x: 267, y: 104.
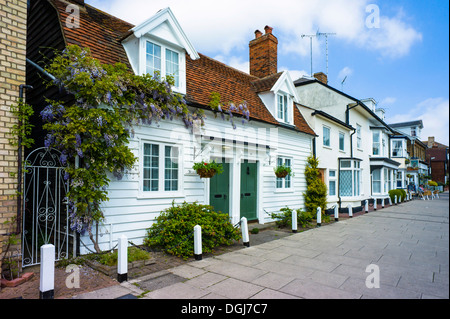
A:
x: 208, y: 170
x: 282, y: 171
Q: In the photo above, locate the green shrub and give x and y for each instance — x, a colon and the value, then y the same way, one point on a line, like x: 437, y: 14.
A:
x: 401, y: 195
x: 174, y: 227
x: 284, y: 219
x: 111, y: 258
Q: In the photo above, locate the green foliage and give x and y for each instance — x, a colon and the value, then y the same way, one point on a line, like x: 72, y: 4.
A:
x: 283, y: 171
x: 284, y: 219
x: 401, y: 195
x: 174, y: 227
x: 316, y: 191
x: 209, y: 166
x: 110, y: 259
x: 22, y: 128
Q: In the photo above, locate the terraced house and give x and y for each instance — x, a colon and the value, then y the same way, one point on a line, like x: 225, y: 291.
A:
x: 277, y: 133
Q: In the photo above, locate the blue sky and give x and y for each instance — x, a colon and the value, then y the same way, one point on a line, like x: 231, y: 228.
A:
x: 402, y: 61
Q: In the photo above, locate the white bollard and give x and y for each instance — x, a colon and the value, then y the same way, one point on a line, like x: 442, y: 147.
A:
x: 198, y: 248
x: 319, y: 216
x: 375, y: 204
x: 390, y: 201
x: 244, y: 228
x: 383, y: 200
x: 395, y: 199
x: 350, y: 211
x: 47, y: 272
x: 122, y: 259
x: 366, y: 206
x: 294, y: 222
x: 336, y: 213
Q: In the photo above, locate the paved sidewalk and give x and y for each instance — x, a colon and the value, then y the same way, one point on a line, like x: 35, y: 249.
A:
x: 407, y: 243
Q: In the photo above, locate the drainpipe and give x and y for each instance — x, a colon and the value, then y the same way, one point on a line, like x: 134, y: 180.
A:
x: 19, y: 173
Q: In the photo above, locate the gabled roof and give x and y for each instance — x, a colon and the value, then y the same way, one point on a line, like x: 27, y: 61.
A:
x: 103, y: 33
x: 166, y: 16
x: 306, y: 81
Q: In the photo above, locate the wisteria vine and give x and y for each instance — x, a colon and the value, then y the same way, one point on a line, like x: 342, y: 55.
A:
x: 93, y: 133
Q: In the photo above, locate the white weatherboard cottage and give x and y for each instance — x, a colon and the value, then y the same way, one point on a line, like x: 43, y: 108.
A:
x: 166, y: 152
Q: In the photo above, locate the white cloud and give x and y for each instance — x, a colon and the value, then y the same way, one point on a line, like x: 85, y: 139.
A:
x: 388, y: 101
x: 295, y: 74
x: 434, y: 113
x: 224, y: 26
x: 346, y: 71
x: 235, y: 62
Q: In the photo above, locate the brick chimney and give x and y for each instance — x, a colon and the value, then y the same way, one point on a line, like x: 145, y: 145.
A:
x: 430, y: 141
x: 264, y: 54
x: 322, y: 77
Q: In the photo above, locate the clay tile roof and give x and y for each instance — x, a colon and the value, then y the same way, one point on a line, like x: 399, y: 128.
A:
x: 98, y: 31
x: 103, y: 33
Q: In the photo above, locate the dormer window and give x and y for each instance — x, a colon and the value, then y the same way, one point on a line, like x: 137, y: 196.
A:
x: 283, y: 107
x: 154, y: 66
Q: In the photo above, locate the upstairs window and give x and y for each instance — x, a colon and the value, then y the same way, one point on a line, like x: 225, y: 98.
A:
x: 413, y: 131
x: 153, y: 61
x: 358, y: 136
x: 172, y: 66
x: 326, y: 136
x: 341, y: 141
x: 161, y: 61
x: 283, y: 108
x: 376, y: 143
x: 397, y: 149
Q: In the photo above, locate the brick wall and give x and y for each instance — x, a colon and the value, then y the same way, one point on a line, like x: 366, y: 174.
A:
x: 13, y: 23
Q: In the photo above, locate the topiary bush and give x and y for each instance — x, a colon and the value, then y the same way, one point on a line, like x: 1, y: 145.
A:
x: 401, y: 195
x: 174, y: 228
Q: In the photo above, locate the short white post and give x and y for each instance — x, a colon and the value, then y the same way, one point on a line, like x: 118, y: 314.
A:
x: 198, y: 247
x: 375, y: 204
x: 395, y: 199
x: 390, y: 201
x: 122, y: 259
x: 47, y: 272
x: 294, y: 222
x: 319, y: 216
x: 350, y: 211
x: 336, y: 213
x: 244, y: 228
x: 383, y: 200
x: 366, y: 206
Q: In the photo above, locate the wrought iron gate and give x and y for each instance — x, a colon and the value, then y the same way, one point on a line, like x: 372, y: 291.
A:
x: 45, y: 211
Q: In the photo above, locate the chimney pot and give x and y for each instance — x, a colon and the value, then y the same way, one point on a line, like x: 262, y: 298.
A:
x: 258, y: 34
x: 268, y: 29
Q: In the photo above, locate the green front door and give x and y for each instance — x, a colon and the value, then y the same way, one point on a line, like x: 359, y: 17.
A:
x: 249, y: 188
x: 219, y: 193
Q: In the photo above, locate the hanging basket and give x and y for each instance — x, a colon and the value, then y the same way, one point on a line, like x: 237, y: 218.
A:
x: 282, y: 174
x: 205, y: 173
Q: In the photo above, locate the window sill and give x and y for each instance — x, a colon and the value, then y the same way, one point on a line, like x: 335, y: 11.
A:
x: 162, y: 195
x: 327, y: 147
x: 284, y: 190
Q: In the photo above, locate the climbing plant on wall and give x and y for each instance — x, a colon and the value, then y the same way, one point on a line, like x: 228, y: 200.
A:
x: 93, y: 133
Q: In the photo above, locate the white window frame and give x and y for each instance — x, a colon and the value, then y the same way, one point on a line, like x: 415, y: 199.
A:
x: 284, y: 184
x: 332, y: 179
x: 342, y: 138
x: 356, y: 175
x: 376, y: 145
x: 284, y: 108
x: 358, y: 136
x: 181, y: 88
x: 401, y: 148
x: 324, y: 128
x: 161, y: 192
x: 379, y: 181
